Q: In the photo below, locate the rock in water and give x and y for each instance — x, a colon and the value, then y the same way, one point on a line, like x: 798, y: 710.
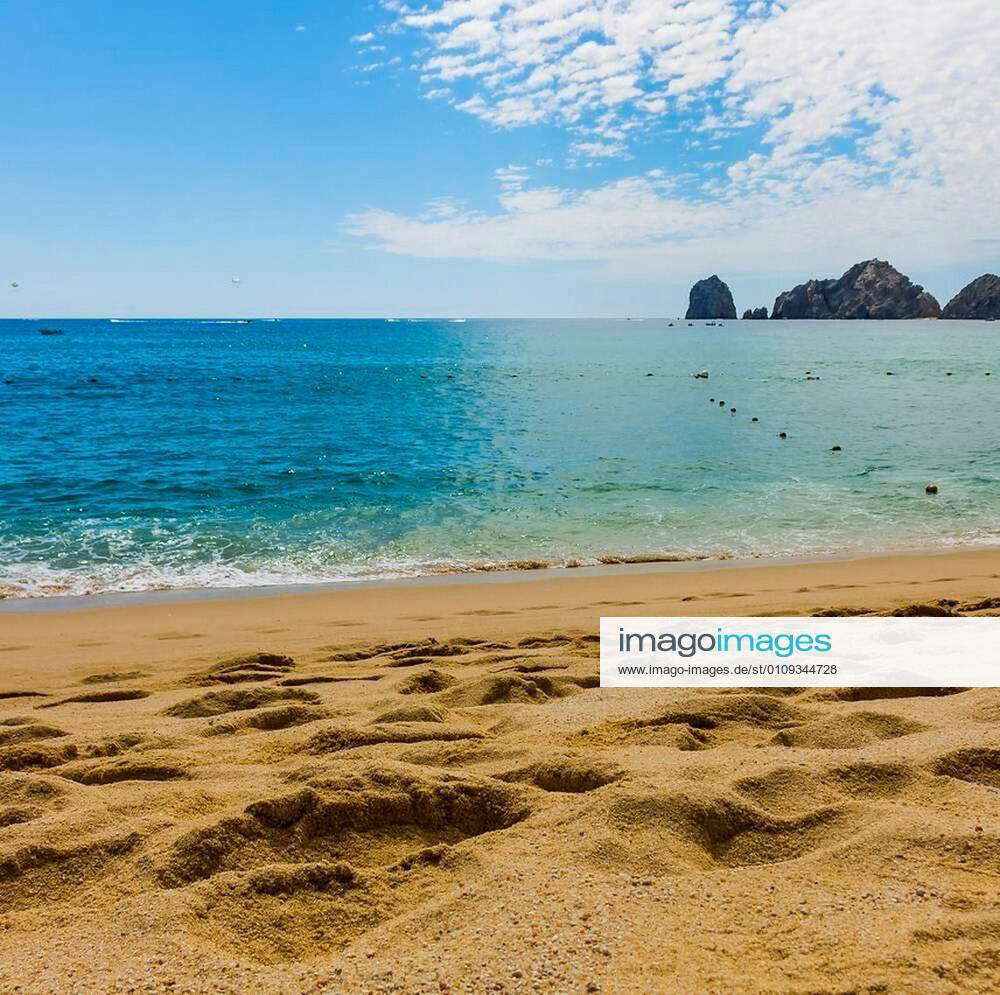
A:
x: 710, y: 299
x: 755, y: 314
x: 872, y: 289
x: 979, y: 300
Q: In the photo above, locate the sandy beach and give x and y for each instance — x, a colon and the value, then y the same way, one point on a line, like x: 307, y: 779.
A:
x: 422, y: 788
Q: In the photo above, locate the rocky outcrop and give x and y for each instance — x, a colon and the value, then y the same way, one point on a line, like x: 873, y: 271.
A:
x: 872, y: 289
x: 979, y: 300
x: 755, y: 314
x: 710, y: 299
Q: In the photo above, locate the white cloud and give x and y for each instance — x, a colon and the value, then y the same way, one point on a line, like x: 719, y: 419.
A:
x: 572, y: 61
x: 598, y: 150
x: 869, y: 127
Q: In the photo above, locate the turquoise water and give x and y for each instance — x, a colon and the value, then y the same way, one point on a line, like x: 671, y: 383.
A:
x: 140, y: 455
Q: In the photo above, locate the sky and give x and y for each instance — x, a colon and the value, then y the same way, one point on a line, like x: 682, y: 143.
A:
x: 487, y: 157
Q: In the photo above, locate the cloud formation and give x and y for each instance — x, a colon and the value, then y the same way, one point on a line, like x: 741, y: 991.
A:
x: 571, y: 61
x: 855, y: 122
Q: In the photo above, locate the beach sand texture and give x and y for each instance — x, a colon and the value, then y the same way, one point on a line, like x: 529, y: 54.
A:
x: 423, y: 789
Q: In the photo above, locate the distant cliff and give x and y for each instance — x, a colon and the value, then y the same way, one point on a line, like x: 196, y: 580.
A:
x: 710, y: 299
x: 872, y: 289
x: 755, y: 314
x: 980, y: 299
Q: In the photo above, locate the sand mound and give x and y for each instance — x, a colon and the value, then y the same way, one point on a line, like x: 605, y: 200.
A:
x: 26, y: 731
x: 706, y: 828
x: 923, y: 611
x: 414, y: 713
x: 515, y: 689
x: 746, y: 709
x: 792, y: 789
x: 534, y: 667
x: 845, y: 732
x: 426, y: 682
x: 267, y: 720
x: 977, y: 765
x: 703, y: 723
x: 338, y: 738
x: 882, y: 694
x: 236, y: 700
x: 245, y: 669
x: 371, y: 652
x: 570, y: 773
x: 35, y: 756
x: 149, y: 767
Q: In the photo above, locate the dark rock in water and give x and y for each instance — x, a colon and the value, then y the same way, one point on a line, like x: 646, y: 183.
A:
x: 755, y: 314
x: 931, y: 489
x: 710, y: 299
x: 980, y: 300
x: 872, y: 289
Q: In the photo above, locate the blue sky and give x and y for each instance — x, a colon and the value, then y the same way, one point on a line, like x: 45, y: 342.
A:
x: 486, y: 157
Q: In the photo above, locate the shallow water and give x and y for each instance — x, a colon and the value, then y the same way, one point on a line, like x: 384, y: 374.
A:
x: 138, y: 455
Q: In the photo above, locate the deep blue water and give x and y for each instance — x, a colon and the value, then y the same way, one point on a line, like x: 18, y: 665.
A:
x: 195, y: 453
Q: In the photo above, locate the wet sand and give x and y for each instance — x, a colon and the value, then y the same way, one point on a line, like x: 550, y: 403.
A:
x: 421, y: 788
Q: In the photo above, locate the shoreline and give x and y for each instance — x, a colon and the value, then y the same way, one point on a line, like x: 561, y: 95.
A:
x: 41, y: 639
x: 503, y: 574
x: 45, y: 603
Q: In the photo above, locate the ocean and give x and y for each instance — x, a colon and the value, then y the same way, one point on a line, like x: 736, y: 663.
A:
x: 149, y: 454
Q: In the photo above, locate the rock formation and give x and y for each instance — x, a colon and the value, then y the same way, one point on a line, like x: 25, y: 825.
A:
x: 710, y: 299
x: 755, y: 314
x: 872, y: 289
x: 980, y: 299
